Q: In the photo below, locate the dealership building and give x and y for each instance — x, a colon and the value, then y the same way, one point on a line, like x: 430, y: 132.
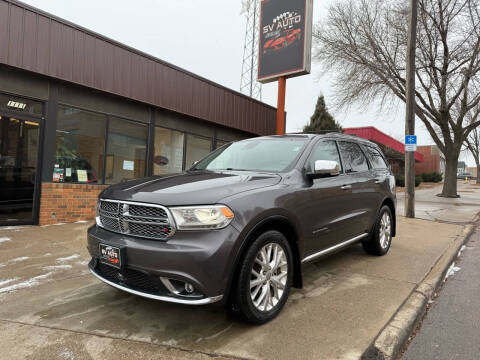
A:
x: 79, y: 111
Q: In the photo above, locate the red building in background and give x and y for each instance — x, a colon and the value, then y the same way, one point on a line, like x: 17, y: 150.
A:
x: 433, y: 160
x: 393, y: 149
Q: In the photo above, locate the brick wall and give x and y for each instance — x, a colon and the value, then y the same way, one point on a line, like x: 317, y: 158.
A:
x: 431, y: 160
x: 63, y: 203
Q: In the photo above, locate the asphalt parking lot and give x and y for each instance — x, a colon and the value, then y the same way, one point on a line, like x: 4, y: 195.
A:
x: 52, y: 307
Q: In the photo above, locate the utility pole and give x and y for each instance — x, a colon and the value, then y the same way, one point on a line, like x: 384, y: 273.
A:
x: 410, y: 111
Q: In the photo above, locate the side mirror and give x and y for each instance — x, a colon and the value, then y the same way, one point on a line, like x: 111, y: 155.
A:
x: 325, y: 168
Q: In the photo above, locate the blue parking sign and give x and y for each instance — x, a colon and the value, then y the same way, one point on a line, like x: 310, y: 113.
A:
x: 410, y: 139
x: 410, y: 142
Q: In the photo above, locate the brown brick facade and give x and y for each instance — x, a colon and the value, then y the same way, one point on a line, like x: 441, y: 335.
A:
x: 63, y: 203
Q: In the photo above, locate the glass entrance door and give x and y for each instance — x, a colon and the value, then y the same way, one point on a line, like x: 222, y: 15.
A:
x: 19, y: 140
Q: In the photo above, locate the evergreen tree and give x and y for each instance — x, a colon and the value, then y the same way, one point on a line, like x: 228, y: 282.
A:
x: 322, y: 121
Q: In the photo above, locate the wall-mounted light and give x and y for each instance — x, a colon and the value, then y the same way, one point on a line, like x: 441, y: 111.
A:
x: 16, y: 105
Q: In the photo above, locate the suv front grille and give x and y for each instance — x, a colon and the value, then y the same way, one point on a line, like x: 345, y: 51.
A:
x: 143, y: 220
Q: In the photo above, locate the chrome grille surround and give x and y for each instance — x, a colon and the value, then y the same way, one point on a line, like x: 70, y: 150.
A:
x: 148, y: 221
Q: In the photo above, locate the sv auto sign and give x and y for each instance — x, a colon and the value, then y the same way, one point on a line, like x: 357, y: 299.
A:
x: 285, y: 39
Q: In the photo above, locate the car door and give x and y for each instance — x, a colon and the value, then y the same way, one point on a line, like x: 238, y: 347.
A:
x: 363, y: 196
x: 328, y: 205
x: 380, y: 171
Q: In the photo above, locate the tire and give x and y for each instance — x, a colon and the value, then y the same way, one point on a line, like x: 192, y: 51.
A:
x: 265, y: 301
x: 376, y: 244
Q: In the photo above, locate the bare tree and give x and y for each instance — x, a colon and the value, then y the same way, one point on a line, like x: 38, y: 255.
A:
x: 365, y: 41
x: 472, y: 143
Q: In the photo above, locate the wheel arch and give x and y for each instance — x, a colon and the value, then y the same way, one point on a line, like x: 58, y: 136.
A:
x: 274, y: 222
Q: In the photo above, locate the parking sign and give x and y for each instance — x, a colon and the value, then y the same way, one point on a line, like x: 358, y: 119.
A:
x: 410, y: 142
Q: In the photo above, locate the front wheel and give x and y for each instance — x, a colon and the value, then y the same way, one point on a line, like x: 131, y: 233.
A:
x: 264, y: 279
x: 378, y: 243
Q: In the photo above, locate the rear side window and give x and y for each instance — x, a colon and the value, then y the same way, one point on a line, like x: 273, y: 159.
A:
x: 353, y: 157
x: 376, y: 159
x: 325, y: 150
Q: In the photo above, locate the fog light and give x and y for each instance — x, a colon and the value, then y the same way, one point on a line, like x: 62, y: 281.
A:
x: 189, y: 288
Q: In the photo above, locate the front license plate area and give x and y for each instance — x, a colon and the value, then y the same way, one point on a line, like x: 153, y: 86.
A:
x: 110, y: 255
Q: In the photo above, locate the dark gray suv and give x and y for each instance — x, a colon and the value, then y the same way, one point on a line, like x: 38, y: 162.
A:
x: 241, y: 222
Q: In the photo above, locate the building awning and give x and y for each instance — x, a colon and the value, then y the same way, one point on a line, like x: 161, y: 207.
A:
x: 373, y: 134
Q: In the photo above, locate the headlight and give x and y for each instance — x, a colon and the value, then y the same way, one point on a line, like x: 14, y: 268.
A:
x: 202, y: 217
x: 97, y: 214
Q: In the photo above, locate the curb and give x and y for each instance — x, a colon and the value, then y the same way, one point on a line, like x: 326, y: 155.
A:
x: 391, y: 339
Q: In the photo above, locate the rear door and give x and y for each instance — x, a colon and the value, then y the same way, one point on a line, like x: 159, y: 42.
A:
x: 363, y: 198
x: 380, y: 173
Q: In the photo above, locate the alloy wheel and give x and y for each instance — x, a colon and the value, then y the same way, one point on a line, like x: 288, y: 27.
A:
x: 385, y: 230
x: 268, y: 277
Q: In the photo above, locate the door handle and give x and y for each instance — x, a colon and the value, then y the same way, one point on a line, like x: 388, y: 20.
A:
x: 379, y: 181
x: 346, y: 187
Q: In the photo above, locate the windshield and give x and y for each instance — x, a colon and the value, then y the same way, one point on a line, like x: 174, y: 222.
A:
x: 262, y: 154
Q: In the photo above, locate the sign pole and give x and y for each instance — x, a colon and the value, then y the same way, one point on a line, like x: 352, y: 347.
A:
x: 282, y: 89
x: 410, y: 112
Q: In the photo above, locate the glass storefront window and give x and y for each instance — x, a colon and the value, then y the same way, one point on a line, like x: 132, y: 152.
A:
x: 126, y: 151
x: 80, y: 148
x: 18, y: 104
x: 168, y: 152
x: 197, y: 149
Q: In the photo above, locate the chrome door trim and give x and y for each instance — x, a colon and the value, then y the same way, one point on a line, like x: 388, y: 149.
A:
x: 333, y: 248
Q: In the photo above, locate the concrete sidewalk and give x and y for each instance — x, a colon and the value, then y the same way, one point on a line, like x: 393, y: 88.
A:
x: 428, y: 206
x: 51, y: 307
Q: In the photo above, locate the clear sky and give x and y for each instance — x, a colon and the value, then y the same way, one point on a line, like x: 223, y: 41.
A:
x: 206, y: 37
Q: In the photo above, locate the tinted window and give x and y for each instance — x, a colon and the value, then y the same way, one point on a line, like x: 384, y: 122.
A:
x: 263, y: 154
x: 376, y: 158
x: 126, y: 151
x: 325, y: 150
x: 353, y: 157
x: 168, y: 156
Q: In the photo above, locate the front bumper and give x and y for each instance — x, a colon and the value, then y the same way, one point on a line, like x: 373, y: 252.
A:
x: 201, y: 258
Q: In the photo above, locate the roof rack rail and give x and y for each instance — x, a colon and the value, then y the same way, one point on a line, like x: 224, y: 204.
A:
x: 320, y: 132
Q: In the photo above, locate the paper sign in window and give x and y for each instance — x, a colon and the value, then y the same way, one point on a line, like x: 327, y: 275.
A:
x: 82, y: 176
x: 128, y: 165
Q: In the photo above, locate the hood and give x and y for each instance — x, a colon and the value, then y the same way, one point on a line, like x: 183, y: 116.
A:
x: 190, y: 188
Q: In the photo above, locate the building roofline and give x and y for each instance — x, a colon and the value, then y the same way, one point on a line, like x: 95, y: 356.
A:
x: 131, y: 49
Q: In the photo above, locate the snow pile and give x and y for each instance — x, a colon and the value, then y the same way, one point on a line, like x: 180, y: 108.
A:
x: 57, y: 267
x: 452, y: 270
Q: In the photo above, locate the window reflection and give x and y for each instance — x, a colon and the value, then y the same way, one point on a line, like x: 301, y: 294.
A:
x: 80, y: 139
x: 355, y: 160
x: 168, y: 152
x: 126, y: 151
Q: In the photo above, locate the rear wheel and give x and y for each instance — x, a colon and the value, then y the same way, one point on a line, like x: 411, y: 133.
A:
x: 264, y: 279
x: 378, y: 243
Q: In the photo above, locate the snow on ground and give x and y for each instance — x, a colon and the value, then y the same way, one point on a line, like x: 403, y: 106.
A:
x: 452, y: 270
x: 27, y: 283
x: 57, y: 267
x: 4, y: 239
x: 14, y: 228
x: 81, y: 222
x: 5, y: 282
x: 68, y: 258
x: 19, y: 259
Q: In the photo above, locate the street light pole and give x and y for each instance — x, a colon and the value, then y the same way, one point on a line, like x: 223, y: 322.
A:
x: 410, y: 111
